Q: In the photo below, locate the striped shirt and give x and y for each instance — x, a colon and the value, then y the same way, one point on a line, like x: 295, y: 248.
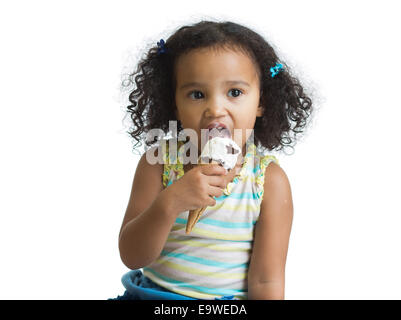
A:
x: 213, y: 260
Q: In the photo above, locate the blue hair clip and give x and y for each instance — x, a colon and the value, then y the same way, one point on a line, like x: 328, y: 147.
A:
x: 276, y: 69
x: 161, y: 47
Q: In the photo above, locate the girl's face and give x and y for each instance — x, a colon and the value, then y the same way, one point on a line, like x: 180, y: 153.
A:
x: 217, y: 86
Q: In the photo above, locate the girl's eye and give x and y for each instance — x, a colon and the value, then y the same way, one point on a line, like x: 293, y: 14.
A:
x: 197, y: 96
x: 237, y: 92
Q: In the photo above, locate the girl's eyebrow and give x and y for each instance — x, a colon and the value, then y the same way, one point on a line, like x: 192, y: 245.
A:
x: 198, y: 84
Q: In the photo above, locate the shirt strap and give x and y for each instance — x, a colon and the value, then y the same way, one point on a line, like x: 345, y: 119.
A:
x: 260, y: 178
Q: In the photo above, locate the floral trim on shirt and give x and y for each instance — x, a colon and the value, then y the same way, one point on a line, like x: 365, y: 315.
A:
x: 172, y: 169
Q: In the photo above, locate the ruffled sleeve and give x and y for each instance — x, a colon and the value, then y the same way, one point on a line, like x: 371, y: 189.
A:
x: 260, y: 179
x: 166, y: 166
x: 173, y: 168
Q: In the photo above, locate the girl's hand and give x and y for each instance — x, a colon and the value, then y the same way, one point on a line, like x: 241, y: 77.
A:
x: 196, y: 187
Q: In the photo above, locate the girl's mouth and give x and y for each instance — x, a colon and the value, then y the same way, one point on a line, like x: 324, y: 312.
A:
x: 217, y: 129
x: 219, y: 132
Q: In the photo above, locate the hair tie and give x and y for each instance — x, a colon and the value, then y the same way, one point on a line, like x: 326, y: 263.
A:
x: 161, y: 47
x: 276, y: 69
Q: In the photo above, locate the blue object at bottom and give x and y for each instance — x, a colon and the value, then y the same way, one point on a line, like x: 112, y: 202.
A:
x: 140, y: 287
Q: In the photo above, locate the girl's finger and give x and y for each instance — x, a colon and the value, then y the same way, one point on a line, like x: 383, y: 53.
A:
x: 215, y: 191
x: 213, y: 169
x: 217, y: 181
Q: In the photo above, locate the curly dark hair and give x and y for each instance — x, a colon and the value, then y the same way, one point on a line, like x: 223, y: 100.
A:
x: 286, y: 106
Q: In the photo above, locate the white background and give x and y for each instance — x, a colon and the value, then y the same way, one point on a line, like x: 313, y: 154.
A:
x: 67, y: 164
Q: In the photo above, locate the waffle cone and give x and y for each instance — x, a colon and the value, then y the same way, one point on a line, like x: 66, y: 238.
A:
x: 194, y: 215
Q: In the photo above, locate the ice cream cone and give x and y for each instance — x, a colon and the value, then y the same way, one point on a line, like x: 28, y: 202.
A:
x: 193, y: 218
x: 194, y: 215
x: 215, y: 149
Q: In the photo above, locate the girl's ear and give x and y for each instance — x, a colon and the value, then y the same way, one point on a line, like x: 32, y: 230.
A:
x: 259, y: 111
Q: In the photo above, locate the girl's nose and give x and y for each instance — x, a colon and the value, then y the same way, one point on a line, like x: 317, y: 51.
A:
x: 215, y: 109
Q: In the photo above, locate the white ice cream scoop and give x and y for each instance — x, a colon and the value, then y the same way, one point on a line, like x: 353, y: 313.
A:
x: 223, y: 150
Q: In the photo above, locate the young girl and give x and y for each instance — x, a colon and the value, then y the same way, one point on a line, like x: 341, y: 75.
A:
x: 207, y: 75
